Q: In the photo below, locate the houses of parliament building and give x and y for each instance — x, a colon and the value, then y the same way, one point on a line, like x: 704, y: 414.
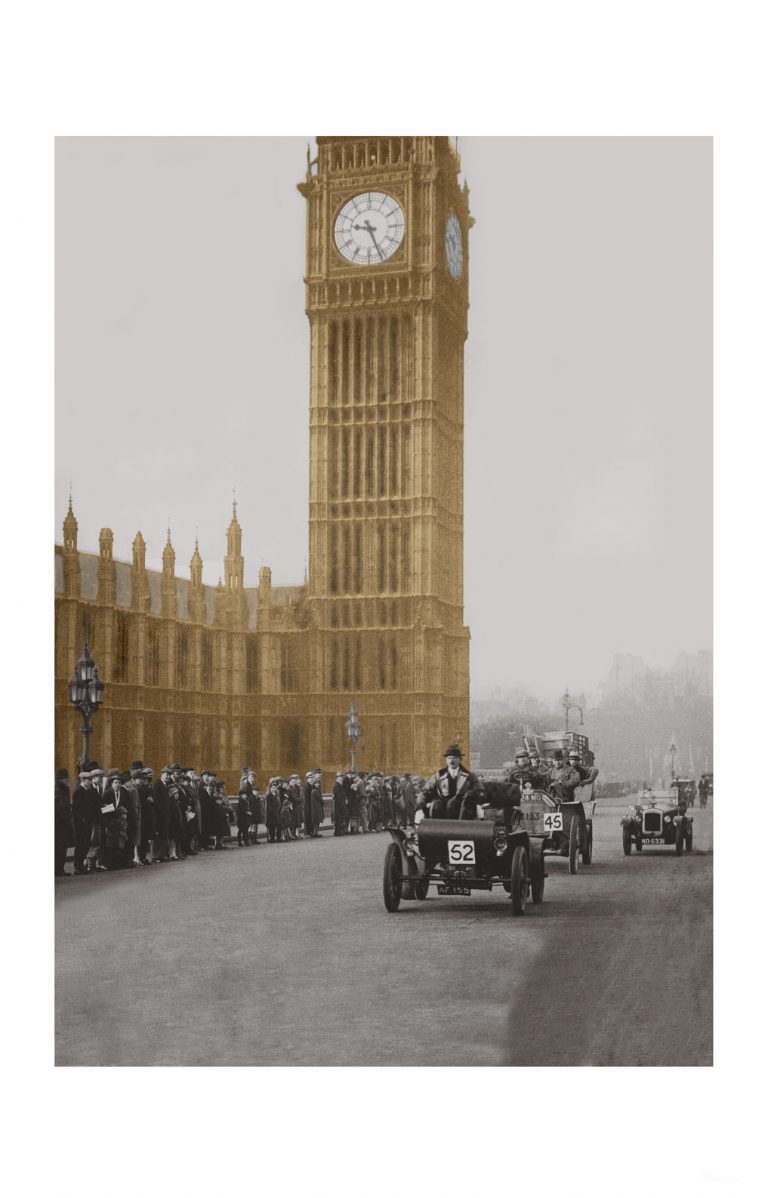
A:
x: 223, y: 676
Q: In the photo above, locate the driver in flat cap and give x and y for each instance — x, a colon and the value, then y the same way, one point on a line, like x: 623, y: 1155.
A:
x: 453, y: 792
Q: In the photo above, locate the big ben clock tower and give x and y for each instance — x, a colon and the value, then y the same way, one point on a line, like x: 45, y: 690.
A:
x: 387, y: 300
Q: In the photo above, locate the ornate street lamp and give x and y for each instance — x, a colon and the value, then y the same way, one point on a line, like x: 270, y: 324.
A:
x: 672, y: 755
x: 86, y: 691
x: 353, y: 732
x: 568, y: 703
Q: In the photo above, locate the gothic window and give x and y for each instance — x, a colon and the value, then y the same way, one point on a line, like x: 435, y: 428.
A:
x: 357, y: 463
x: 392, y: 666
x: 334, y: 615
x: 381, y: 434
x: 345, y: 438
x: 394, y: 470
x: 345, y: 561
x: 333, y: 536
x: 381, y: 559
x: 370, y: 341
x: 405, y: 462
x: 405, y: 559
x: 382, y: 665
x: 291, y: 746
x: 252, y: 664
x: 358, y: 362
x: 358, y: 664
x: 206, y: 661
x: 345, y: 361
x: 345, y: 679
x: 182, y: 656
x: 120, y: 659
x: 369, y: 457
x: 358, y: 559
x: 289, y: 676
x: 153, y: 655
x: 333, y: 463
x: 393, y: 358
x: 334, y: 672
x: 394, y: 534
x: 333, y: 363
x: 86, y: 627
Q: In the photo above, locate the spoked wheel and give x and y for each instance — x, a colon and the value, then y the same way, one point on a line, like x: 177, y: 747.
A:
x: 519, y: 875
x: 586, y: 848
x: 393, y: 877
x: 537, y: 878
x: 574, y: 845
x: 626, y: 840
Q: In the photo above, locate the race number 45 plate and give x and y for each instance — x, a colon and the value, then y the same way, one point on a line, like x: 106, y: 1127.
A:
x: 553, y: 821
x: 461, y: 852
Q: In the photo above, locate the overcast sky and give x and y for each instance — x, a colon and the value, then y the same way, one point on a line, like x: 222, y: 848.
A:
x: 182, y: 373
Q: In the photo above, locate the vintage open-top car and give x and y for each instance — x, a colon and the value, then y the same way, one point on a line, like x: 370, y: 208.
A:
x: 564, y: 828
x: 658, y: 820
x: 462, y: 855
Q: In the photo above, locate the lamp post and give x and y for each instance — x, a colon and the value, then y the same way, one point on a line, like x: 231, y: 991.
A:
x: 672, y: 756
x: 353, y: 732
x: 568, y: 703
x: 86, y: 692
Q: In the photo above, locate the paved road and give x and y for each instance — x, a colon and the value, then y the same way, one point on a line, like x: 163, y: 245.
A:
x: 284, y: 955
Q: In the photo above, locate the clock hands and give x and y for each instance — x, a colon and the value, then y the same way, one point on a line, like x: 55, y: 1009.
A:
x: 368, y: 228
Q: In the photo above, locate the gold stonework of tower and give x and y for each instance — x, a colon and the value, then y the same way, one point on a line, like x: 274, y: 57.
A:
x: 385, y: 590
x: 227, y: 675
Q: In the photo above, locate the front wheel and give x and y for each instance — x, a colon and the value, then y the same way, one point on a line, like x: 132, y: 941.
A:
x: 393, y: 877
x: 574, y: 844
x: 537, y: 878
x: 626, y: 839
x: 519, y: 876
x: 421, y: 888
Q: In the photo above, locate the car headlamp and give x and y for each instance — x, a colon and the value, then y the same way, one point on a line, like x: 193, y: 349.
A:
x: 667, y: 819
x: 500, y: 840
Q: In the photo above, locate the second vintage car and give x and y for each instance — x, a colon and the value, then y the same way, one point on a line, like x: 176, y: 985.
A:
x: 657, y: 820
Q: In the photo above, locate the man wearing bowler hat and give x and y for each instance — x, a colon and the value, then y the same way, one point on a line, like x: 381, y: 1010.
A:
x: 453, y: 792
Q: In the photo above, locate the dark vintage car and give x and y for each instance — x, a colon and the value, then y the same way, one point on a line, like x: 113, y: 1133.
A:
x: 686, y: 790
x: 459, y: 856
x: 565, y: 829
x: 658, y: 821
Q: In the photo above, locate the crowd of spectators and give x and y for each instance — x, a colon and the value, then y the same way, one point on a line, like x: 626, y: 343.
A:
x: 126, y: 819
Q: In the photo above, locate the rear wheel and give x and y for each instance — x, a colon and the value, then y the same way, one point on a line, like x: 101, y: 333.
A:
x: 574, y: 845
x: 679, y: 840
x: 519, y: 876
x: 626, y: 838
x: 586, y: 848
x: 393, y: 877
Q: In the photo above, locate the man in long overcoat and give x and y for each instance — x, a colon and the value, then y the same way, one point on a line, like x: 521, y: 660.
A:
x: 162, y: 812
x: 453, y: 791
x: 340, y: 813
x: 64, y: 826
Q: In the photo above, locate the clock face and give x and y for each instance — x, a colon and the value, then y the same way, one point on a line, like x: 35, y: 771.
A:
x: 454, y: 251
x: 369, y: 228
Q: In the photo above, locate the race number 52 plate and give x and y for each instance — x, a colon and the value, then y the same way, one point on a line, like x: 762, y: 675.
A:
x: 461, y: 852
x: 553, y: 821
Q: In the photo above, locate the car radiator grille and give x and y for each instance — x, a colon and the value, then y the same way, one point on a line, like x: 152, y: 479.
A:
x: 652, y: 823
